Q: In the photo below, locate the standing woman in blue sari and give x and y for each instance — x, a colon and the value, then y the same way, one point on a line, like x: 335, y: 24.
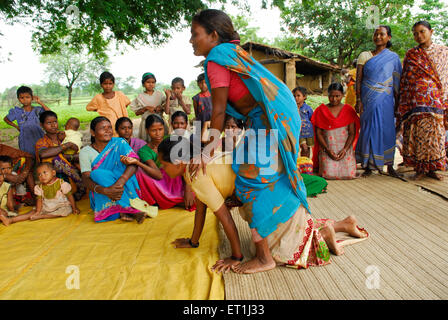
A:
x: 271, y: 190
x: 378, y: 73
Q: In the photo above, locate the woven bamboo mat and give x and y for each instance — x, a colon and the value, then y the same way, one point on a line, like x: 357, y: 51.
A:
x: 439, y: 187
x: 404, y: 258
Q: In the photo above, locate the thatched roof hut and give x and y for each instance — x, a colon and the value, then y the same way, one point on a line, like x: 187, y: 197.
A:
x: 294, y: 69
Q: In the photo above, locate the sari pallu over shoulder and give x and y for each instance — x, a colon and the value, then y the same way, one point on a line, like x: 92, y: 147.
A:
x: 421, y: 89
x: 381, y: 81
x: 106, y: 169
x: 276, y: 110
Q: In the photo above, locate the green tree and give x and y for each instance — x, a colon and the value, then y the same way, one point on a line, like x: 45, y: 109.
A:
x: 73, y: 67
x: 337, y: 31
x: 436, y: 13
x: 93, y: 24
x: 241, y: 24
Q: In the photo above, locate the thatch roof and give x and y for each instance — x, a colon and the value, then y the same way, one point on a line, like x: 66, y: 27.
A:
x: 304, y: 65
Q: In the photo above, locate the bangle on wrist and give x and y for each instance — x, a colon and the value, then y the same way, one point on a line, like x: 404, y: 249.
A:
x: 94, y: 188
x: 193, y: 245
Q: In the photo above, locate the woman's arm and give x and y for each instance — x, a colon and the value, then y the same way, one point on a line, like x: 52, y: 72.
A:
x: 151, y: 169
x: 199, y: 221
x: 188, y: 196
x: 54, y: 151
x: 323, y: 143
x: 359, y: 77
x: 349, y: 142
x: 113, y: 192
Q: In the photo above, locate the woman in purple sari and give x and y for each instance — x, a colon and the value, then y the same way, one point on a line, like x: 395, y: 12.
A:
x: 379, y: 73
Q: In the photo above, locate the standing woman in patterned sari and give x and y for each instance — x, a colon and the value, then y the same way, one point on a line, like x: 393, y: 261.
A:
x: 271, y: 189
x: 378, y: 76
x: 423, y: 104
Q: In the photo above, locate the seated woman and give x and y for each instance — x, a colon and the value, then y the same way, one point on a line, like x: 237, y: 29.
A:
x: 286, y: 243
x: 112, y: 184
x: 124, y: 127
x: 156, y: 187
x: 22, y: 172
x: 337, y: 128
x: 51, y: 149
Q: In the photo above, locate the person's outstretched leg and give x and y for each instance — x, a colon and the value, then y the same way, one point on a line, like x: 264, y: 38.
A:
x: 262, y: 261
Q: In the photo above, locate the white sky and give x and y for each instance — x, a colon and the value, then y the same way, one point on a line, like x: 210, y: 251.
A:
x: 175, y: 59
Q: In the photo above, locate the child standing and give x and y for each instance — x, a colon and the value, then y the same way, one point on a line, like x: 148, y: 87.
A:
x: 202, y: 103
x: 54, y: 197
x: 148, y: 102
x: 110, y: 104
x: 175, y: 100
x: 27, y: 118
x: 306, y: 140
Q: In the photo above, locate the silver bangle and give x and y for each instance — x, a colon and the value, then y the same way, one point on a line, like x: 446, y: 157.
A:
x: 94, y: 188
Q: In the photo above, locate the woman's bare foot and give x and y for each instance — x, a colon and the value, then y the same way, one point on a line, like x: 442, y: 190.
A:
x: 125, y: 217
x: 255, y: 265
x: 5, y: 220
x: 350, y: 226
x: 434, y: 175
x: 329, y: 236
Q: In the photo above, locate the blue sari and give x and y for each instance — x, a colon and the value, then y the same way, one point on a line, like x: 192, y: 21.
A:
x: 381, y: 78
x: 106, y: 170
x: 268, y: 182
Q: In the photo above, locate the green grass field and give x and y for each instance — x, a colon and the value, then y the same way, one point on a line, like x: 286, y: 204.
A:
x: 78, y: 110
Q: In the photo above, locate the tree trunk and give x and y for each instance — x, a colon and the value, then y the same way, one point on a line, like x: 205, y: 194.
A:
x: 70, y: 89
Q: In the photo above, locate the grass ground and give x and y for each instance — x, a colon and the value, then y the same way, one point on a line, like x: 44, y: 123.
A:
x: 78, y: 110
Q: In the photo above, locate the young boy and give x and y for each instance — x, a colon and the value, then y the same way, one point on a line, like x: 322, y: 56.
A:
x: 306, y: 139
x: 202, y: 104
x: 175, y: 100
x: 27, y: 117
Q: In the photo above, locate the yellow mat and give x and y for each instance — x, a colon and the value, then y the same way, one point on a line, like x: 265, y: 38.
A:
x: 76, y: 258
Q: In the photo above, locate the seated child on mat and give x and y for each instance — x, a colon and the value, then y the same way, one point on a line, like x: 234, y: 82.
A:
x: 54, y: 197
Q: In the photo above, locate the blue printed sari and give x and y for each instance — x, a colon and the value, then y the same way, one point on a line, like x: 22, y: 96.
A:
x: 381, y: 78
x: 268, y: 182
x: 106, y: 170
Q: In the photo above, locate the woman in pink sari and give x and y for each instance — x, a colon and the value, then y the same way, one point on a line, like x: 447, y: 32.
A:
x: 156, y: 187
